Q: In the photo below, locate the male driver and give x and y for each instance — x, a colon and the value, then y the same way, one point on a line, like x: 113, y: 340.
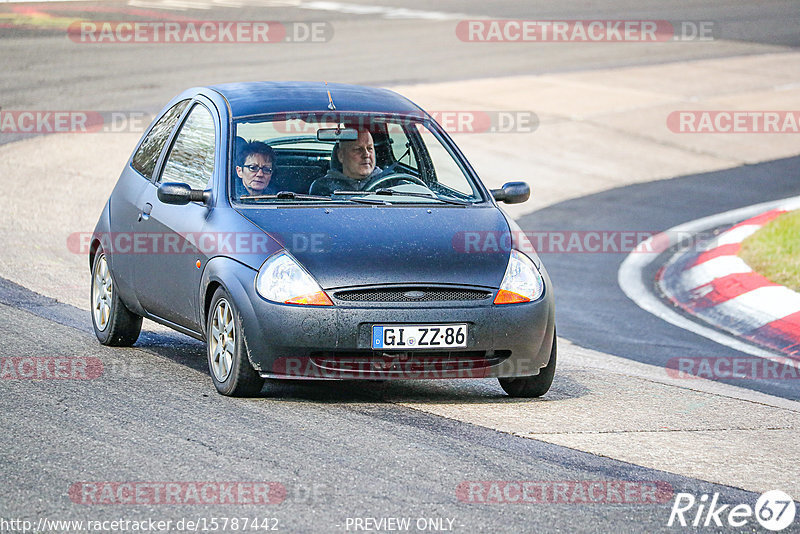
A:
x: 254, y: 165
x: 358, y: 166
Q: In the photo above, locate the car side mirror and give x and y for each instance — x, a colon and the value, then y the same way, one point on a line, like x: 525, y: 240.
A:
x: 180, y: 194
x: 512, y: 193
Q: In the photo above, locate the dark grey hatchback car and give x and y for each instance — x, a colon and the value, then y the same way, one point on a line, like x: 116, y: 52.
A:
x: 409, y: 271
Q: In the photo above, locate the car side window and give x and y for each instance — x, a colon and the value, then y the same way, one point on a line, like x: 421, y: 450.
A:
x: 146, y: 157
x: 401, y: 146
x: 448, y: 171
x: 191, y: 158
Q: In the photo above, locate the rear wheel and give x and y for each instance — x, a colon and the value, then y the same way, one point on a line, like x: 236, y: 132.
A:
x: 114, y: 324
x: 227, y: 357
x: 532, y: 386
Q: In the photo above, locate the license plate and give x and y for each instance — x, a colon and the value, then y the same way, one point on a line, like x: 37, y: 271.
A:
x: 429, y: 336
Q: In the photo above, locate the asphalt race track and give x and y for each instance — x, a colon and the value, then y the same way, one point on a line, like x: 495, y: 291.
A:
x: 154, y: 418
x: 350, y: 457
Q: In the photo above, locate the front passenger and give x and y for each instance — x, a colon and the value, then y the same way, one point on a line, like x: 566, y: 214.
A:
x: 254, y: 166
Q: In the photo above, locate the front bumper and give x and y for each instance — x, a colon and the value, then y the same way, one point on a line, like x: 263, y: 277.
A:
x: 307, y: 342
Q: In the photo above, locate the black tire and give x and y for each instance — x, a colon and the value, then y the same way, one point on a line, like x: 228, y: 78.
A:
x: 230, y: 370
x: 114, y: 324
x: 532, y: 386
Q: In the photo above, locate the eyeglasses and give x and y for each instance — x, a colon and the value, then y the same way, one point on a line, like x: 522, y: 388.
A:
x: 254, y: 169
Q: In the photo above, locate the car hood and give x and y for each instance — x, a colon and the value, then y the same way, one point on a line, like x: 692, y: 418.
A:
x: 343, y: 246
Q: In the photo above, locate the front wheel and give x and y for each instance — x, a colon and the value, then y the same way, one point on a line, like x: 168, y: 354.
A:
x: 227, y: 356
x: 532, y: 386
x: 114, y: 324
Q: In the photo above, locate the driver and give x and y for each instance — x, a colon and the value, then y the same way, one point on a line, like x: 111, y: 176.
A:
x: 358, y: 167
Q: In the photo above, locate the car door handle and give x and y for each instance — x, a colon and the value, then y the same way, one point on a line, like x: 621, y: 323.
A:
x: 145, y: 213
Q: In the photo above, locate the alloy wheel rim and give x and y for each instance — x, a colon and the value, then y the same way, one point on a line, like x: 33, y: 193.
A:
x: 222, y: 341
x: 102, y: 293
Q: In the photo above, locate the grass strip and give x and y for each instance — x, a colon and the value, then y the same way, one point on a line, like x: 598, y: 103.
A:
x: 774, y: 250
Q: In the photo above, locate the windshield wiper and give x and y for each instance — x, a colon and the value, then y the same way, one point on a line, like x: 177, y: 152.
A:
x: 359, y: 199
x: 285, y: 195
x: 391, y: 192
x: 432, y: 196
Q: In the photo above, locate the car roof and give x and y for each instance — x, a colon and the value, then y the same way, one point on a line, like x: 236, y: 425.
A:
x: 256, y: 98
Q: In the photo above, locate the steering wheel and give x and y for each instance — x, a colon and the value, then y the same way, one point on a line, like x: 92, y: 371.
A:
x: 380, y: 179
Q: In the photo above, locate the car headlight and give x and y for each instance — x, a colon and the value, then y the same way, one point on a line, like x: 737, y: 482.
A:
x: 522, y: 282
x: 282, y: 279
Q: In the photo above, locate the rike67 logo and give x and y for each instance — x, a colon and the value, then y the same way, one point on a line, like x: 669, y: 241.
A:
x: 774, y: 510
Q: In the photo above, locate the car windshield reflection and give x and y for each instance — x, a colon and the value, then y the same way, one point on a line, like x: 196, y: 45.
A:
x: 340, y: 158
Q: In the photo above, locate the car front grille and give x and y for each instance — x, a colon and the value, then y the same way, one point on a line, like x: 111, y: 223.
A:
x: 412, y: 294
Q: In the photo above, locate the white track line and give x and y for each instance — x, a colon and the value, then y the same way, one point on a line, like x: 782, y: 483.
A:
x: 737, y: 235
x: 708, y: 271
x: 782, y: 302
x: 631, y: 281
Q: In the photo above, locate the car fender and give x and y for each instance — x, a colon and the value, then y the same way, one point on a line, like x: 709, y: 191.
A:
x: 232, y: 276
x: 102, y: 230
x: 520, y: 241
x: 102, y: 227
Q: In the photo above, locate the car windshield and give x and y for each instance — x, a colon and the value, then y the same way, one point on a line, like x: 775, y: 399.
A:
x: 345, y: 158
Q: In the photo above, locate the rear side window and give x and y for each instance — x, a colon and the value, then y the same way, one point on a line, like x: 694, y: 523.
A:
x: 146, y: 157
x: 191, y: 158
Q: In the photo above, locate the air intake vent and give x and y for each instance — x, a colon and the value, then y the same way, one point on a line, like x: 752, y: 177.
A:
x: 412, y: 294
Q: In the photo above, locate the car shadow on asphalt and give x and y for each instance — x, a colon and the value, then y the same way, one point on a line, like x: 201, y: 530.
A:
x: 192, y: 353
